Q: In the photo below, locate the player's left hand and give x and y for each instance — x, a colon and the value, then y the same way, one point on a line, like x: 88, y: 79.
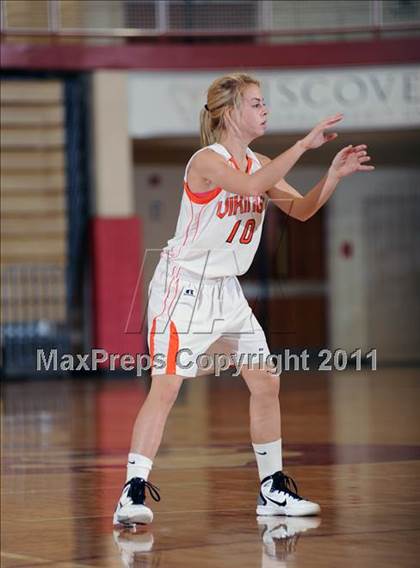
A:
x: 349, y: 160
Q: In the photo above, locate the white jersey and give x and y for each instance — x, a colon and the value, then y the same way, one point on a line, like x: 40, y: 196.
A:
x: 218, y: 232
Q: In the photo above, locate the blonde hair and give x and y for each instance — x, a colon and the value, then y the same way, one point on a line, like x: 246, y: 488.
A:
x: 225, y: 92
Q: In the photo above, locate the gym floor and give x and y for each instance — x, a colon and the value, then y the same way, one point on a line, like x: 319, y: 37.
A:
x: 351, y: 442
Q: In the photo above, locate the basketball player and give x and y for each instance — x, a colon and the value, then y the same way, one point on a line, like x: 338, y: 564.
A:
x: 196, y: 304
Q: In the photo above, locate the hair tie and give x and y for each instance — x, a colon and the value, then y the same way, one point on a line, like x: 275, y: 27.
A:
x: 206, y: 107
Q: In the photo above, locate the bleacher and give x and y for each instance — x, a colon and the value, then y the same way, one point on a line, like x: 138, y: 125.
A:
x: 33, y: 208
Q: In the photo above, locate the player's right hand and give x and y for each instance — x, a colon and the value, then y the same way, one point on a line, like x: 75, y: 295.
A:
x: 318, y: 135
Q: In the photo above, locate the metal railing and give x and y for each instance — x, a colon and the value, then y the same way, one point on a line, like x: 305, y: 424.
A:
x: 212, y: 18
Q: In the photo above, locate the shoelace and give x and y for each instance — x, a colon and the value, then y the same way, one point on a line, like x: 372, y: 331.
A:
x: 137, y: 489
x: 282, y: 482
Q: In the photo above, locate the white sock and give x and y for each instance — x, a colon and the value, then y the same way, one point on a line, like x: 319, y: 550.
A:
x: 138, y: 466
x: 269, y: 458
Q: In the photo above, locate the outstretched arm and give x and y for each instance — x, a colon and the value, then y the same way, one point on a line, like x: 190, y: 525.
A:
x: 349, y: 160
x: 210, y: 167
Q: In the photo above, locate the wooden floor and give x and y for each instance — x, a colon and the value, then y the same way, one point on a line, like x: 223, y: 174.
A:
x: 351, y: 441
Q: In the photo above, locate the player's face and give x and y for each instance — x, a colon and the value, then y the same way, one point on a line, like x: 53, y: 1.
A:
x: 253, y: 113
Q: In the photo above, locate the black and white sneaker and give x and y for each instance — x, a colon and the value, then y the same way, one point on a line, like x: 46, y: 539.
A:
x: 131, y: 508
x: 278, y: 496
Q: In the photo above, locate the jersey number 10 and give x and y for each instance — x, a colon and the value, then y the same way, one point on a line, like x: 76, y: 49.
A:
x: 247, y: 232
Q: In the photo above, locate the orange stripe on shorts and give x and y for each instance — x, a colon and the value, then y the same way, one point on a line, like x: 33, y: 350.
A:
x: 172, y: 349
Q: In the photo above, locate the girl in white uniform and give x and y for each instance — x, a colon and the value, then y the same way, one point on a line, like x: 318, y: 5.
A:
x: 196, y: 305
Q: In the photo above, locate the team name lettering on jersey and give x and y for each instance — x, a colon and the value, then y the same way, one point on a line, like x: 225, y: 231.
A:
x: 239, y: 204
x: 212, y: 229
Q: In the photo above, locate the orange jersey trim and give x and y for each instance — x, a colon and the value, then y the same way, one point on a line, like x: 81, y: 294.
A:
x: 248, y: 164
x: 172, y: 349
x: 206, y: 196
x: 202, y: 198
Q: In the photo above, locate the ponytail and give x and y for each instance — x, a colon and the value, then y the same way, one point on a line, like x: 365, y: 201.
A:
x: 207, y: 136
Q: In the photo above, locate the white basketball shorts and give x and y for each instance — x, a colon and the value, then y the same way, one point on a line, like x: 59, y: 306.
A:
x: 196, y: 324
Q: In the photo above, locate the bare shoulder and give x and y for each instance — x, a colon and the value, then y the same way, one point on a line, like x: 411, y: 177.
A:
x: 205, y: 157
x: 206, y: 162
x: 202, y: 168
x: 263, y: 159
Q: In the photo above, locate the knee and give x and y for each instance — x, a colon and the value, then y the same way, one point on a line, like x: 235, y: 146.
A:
x: 264, y: 385
x: 165, y: 389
